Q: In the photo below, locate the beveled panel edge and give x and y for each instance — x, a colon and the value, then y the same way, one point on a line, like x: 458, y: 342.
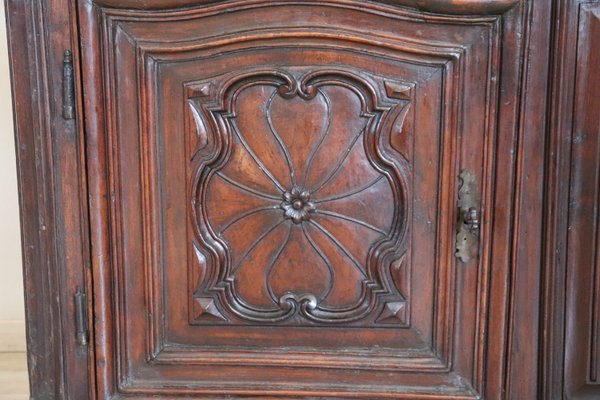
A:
x: 406, y: 361
x: 282, y: 391
x: 167, y: 353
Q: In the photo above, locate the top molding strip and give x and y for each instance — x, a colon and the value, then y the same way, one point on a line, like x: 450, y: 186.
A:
x: 453, y: 7
x: 465, y: 7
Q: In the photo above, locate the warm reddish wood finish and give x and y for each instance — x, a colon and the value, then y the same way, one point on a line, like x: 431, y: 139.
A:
x: 309, y: 199
x: 52, y: 198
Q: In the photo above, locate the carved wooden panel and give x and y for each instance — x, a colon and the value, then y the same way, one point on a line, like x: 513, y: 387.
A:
x: 582, y: 360
x: 283, y: 198
x: 300, y: 207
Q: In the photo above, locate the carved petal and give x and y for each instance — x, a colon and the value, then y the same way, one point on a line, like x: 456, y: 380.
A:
x: 253, y: 132
x: 258, y: 257
x: 298, y: 260
x: 300, y: 126
x: 377, y: 194
x: 346, y: 128
x: 346, y: 287
x: 227, y: 202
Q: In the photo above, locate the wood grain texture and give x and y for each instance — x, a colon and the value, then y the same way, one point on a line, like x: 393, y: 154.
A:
x: 52, y: 198
x: 466, y: 7
x: 206, y: 134
x: 460, y: 6
x: 583, y: 238
x: 272, y: 192
x: 569, y: 357
x: 528, y: 225
x: 557, y: 200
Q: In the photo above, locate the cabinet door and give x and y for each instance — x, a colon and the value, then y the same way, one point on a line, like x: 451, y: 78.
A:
x: 279, y: 191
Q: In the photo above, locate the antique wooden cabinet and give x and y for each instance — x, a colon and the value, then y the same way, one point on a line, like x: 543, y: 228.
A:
x: 309, y: 199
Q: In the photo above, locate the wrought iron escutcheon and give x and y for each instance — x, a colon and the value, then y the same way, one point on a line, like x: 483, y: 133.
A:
x: 469, y: 219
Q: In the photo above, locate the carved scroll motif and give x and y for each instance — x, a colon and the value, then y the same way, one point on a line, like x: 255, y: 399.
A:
x: 298, y: 206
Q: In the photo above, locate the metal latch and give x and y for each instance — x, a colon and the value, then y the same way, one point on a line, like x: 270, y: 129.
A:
x: 68, y: 86
x: 469, y: 221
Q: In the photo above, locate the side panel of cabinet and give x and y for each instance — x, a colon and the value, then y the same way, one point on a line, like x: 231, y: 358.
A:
x: 571, y: 337
x: 582, y: 335
x: 52, y: 195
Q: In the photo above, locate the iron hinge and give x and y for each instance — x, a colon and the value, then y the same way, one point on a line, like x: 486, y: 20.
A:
x: 81, y: 324
x: 68, y: 86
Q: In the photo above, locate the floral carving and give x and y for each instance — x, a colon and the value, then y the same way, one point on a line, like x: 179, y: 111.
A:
x: 292, y: 200
x: 297, y: 205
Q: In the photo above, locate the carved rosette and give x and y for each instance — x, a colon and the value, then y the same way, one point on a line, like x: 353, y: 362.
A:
x: 297, y: 205
x: 299, y: 209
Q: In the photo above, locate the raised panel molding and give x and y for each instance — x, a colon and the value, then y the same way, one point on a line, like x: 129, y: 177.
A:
x: 294, y: 154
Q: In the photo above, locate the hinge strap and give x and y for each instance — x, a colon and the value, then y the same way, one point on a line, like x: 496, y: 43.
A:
x: 81, y: 317
x: 68, y: 86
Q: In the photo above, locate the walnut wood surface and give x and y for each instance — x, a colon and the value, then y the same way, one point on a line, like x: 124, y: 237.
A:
x: 283, y: 201
x: 52, y: 197
x: 571, y: 345
x: 433, y: 6
x: 261, y: 198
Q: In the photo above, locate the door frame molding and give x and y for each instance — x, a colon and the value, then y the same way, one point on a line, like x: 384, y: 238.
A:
x: 52, y: 197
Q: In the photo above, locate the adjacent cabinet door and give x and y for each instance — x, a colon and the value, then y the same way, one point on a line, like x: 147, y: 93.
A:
x: 293, y: 198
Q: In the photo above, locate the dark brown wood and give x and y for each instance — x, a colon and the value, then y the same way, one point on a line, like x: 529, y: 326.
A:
x: 52, y: 198
x: 473, y: 7
x: 309, y: 199
x: 251, y: 132
x: 571, y: 286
